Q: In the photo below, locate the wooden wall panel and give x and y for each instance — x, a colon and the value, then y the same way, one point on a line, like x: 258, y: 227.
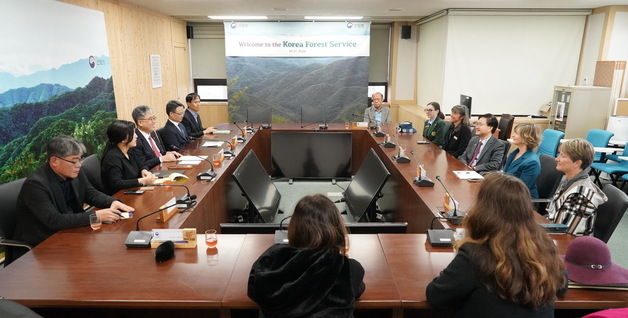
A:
x: 133, y: 33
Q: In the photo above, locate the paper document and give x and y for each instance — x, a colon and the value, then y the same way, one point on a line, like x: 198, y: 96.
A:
x: 211, y: 143
x: 468, y: 175
x: 222, y: 132
x: 190, y: 162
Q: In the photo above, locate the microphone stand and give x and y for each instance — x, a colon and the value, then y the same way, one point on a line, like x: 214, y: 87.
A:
x: 209, y: 174
x: 324, y: 125
x: 242, y: 138
x: 188, y: 200
x: 457, y: 218
x: 371, y: 120
x: 139, y: 238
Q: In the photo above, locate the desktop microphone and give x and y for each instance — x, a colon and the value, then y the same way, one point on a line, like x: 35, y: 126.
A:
x: 372, y: 122
x: 229, y: 152
x: 388, y: 143
x: 139, y: 238
x: 248, y: 127
x: 324, y: 125
x: 456, y: 215
x: 242, y: 138
x: 281, y: 235
x: 183, y: 199
x: 203, y: 175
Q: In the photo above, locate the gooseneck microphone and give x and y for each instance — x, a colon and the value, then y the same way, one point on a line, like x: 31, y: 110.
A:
x: 208, y: 174
x: 188, y: 197
x: 229, y: 152
x: 455, y: 212
x: 242, y: 131
x: 137, y: 223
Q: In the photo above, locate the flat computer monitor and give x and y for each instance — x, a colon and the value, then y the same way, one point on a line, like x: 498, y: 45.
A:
x: 310, y: 154
x: 368, y: 182
x: 466, y: 100
x: 254, y: 182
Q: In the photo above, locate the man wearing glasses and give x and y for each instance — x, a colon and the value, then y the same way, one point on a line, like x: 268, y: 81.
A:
x: 150, y: 151
x: 377, y: 113
x: 174, y: 135
x: 53, y: 196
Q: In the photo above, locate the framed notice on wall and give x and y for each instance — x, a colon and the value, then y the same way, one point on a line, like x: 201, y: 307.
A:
x: 155, y: 70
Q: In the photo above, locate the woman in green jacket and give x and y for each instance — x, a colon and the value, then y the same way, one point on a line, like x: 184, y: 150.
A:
x: 435, y: 127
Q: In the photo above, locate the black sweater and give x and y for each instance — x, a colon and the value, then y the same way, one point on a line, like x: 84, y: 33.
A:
x: 458, y: 288
x: 289, y: 282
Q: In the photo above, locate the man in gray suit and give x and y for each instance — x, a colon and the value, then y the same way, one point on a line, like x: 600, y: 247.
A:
x: 484, y: 152
x: 377, y: 113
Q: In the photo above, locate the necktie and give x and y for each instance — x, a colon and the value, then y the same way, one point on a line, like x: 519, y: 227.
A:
x: 476, y: 153
x: 182, y: 130
x: 154, y: 146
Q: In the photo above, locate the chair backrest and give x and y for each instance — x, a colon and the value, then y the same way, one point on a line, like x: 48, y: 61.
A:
x: 506, y: 150
x: 91, y: 168
x: 8, y: 217
x: 550, y: 141
x: 599, y: 138
x: 505, y: 126
x: 549, y: 178
x: 610, y: 213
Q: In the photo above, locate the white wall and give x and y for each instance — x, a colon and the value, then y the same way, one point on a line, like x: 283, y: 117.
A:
x: 591, y: 48
x: 431, y: 49
x: 510, y: 64
x: 618, y: 45
x: 405, y: 74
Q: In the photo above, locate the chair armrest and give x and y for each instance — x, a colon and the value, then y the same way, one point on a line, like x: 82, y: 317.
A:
x: 15, y: 243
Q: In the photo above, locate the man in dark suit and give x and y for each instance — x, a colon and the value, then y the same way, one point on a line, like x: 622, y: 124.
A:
x: 150, y: 150
x: 484, y: 152
x: 52, y: 197
x: 192, y: 119
x: 174, y: 134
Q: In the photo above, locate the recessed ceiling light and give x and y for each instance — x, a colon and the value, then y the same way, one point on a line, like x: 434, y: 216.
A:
x: 309, y: 17
x: 280, y: 9
x: 395, y: 9
x: 238, y: 17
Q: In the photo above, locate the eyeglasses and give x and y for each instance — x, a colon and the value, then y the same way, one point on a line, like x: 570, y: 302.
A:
x: 74, y: 162
x: 180, y: 114
x: 153, y: 118
x: 429, y: 110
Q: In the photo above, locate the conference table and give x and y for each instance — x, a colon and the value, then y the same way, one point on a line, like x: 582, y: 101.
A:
x: 94, y: 273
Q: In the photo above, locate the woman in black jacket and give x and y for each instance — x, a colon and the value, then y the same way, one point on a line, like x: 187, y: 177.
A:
x: 117, y: 169
x: 311, y: 276
x: 458, y: 135
x: 507, y: 265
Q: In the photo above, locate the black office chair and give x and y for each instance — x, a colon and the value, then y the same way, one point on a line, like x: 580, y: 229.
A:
x: 505, y: 124
x: 506, y: 149
x: 610, y: 213
x: 546, y: 182
x: 91, y: 169
x: 8, y: 218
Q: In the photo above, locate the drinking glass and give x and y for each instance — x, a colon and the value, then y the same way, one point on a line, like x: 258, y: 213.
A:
x: 216, y: 160
x: 95, y: 222
x: 211, y: 239
x: 347, y: 125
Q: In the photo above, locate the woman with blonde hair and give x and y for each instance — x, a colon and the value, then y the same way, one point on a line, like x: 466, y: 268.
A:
x: 523, y: 162
x: 506, y: 265
x: 311, y: 276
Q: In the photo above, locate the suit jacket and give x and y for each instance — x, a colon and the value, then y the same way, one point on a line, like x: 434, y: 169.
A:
x: 527, y: 168
x: 457, y: 139
x: 172, y: 136
x: 118, y: 172
x: 42, y: 207
x: 143, y: 154
x: 436, y: 131
x: 193, y: 128
x: 489, y: 159
x: 369, y: 115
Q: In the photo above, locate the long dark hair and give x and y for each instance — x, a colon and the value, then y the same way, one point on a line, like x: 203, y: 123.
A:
x: 518, y: 260
x: 119, y: 131
x: 437, y: 108
x: 316, y: 223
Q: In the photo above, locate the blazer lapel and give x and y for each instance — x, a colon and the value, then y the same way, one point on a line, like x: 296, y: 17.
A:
x: 160, y: 145
x: 487, y: 147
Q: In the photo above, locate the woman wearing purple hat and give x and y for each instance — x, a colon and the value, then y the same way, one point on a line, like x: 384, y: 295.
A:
x: 507, y: 265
